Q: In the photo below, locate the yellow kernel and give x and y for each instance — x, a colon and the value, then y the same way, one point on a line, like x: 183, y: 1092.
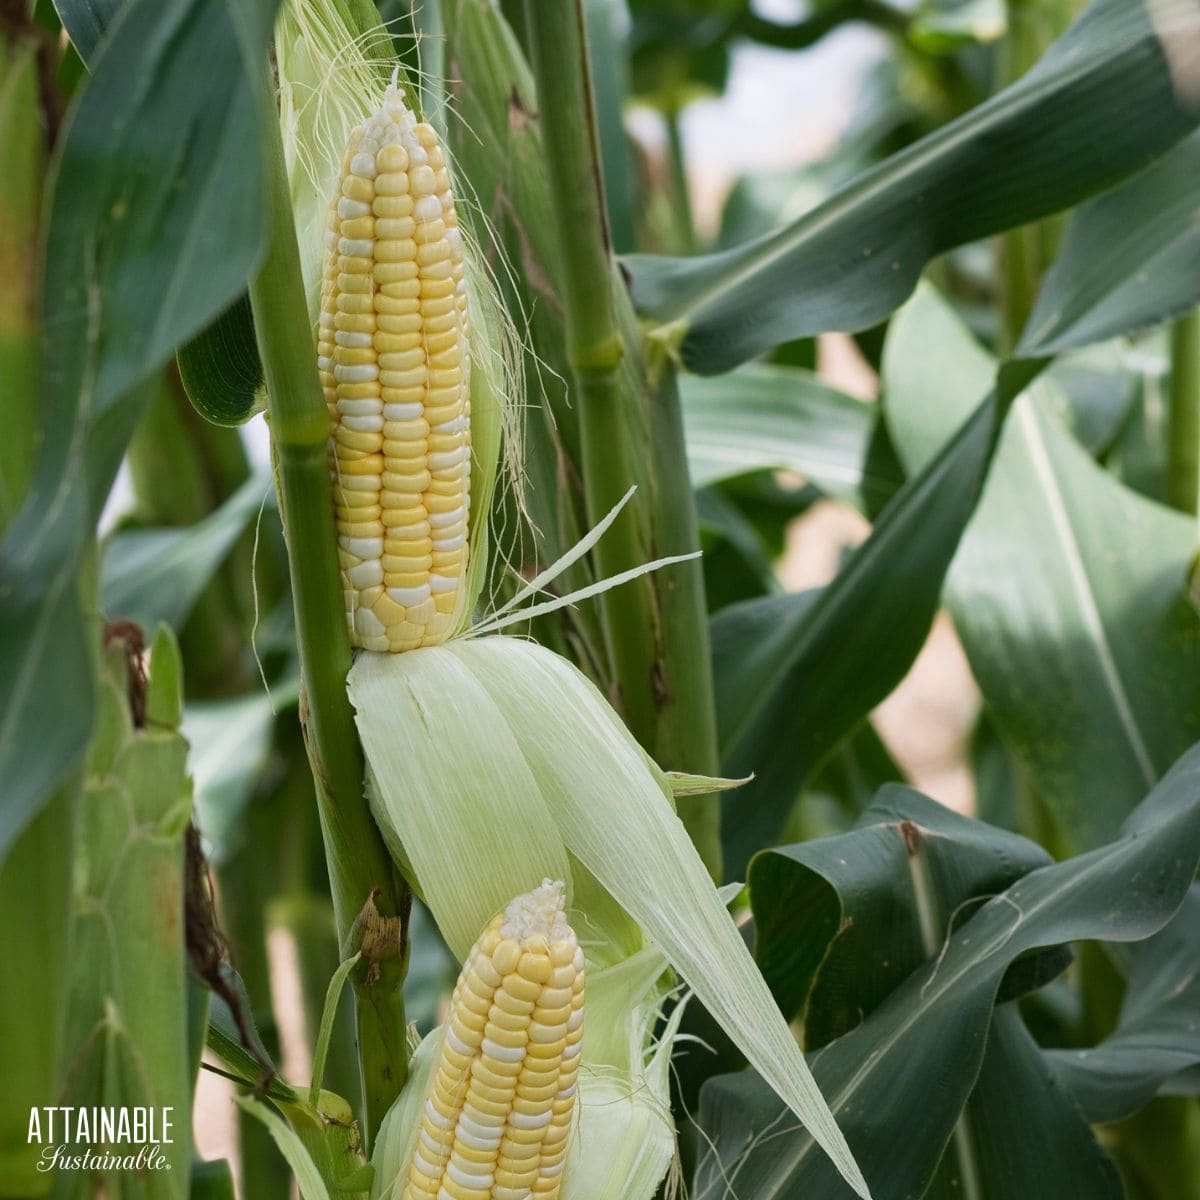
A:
x: 403, y: 289
x: 391, y: 250
x: 359, y: 441
x: 396, y: 227
x: 392, y: 207
x: 407, y: 323
x: 370, y: 464
x: 391, y: 305
x: 394, y: 272
x: 404, y: 579
x: 423, y: 180
x: 358, y: 228
x: 439, y: 309
x: 430, y: 231
x: 354, y: 322
x: 392, y: 157
x: 360, y: 391
x: 392, y: 183
x: 358, y: 188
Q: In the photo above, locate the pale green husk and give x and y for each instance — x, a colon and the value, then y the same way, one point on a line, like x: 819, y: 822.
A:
x: 494, y: 764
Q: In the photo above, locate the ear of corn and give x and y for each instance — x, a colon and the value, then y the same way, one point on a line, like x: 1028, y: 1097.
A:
x: 499, y: 1102
x: 394, y: 362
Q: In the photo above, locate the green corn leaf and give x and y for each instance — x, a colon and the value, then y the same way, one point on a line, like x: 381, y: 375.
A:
x: 858, y: 636
x: 157, y: 575
x: 173, y: 147
x: 776, y: 418
x: 1129, y: 259
x: 1121, y: 78
x: 312, y: 1186
x: 927, y: 1038
x: 127, y: 1028
x: 1040, y: 592
x: 1156, y: 1037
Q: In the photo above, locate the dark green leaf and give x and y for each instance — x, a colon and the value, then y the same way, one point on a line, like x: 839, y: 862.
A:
x: 1158, y: 1034
x: 86, y: 21
x: 843, y: 921
x: 927, y: 1040
x: 1066, y: 585
x: 795, y: 673
x: 1021, y: 1134
x: 155, y: 223
x: 1109, y: 97
x: 1130, y: 259
x: 220, y: 368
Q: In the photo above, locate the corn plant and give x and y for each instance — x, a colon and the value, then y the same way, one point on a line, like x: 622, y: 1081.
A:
x: 479, y: 685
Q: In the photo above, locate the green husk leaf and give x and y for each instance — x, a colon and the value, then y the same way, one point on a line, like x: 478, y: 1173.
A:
x: 491, y: 759
x: 312, y: 1186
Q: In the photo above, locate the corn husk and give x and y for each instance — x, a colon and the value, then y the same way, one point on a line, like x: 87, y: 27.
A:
x: 493, y: 764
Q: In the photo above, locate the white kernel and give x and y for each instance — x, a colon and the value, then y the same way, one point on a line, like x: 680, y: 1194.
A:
x: 436, y: 1117
x: 452, y: 543
x: 353, y: 341
x: 506, y: 1054
x: 456, y: 1043
x: 403, y: 412
x: 454, y: 237
x: 439, y: 583
x: 475, y: 1142
x: 366, y: 574
x: 368, y: 624
x: 356, y: 247
x: 480, y: 1124
x: 468, y: 1179
x: 571, y: 1051
x: 520, y: 1120
x: 446, y: 520
x: 357, y: 373
x: 410, y: 597
x: 348, y: 208
x: 447, y: 459
x: 363, y: 424
x: 362, y: 548
x: 359, y: 408
x: 363, y: 164
x: 325, y: 320
x: 427, y: 208
x: 324, y: 363
x: 454, y: 425
x: 576, y: 1018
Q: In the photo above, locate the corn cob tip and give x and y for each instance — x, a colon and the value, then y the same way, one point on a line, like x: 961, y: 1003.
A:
x: 540, y: 913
